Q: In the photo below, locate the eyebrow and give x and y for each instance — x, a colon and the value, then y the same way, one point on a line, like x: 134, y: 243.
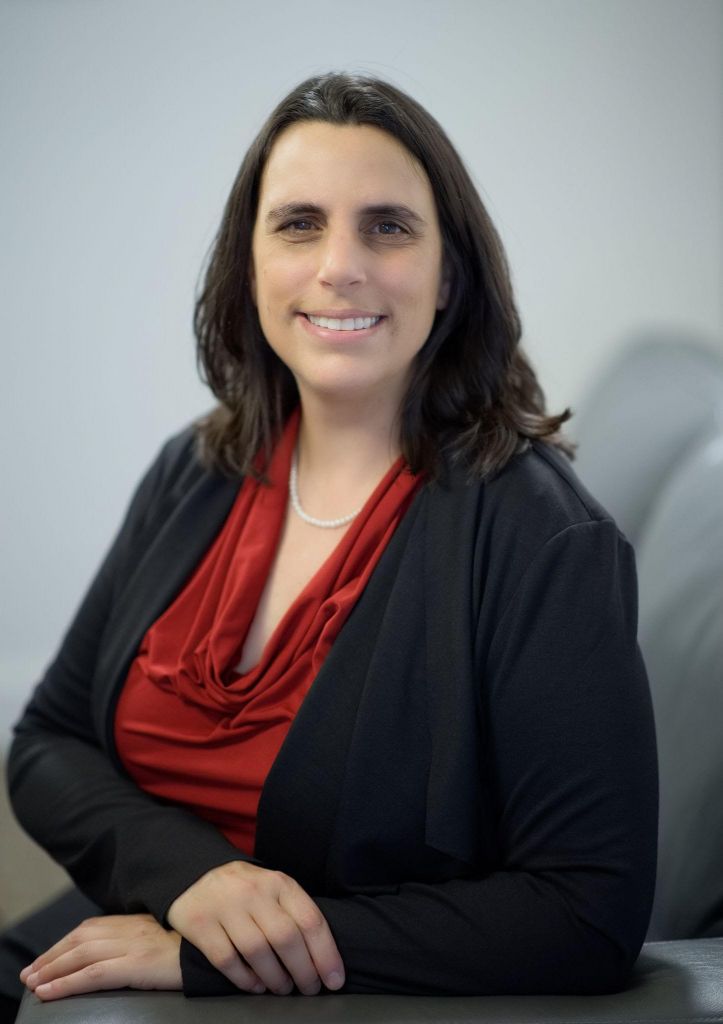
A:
x: 287, y: 210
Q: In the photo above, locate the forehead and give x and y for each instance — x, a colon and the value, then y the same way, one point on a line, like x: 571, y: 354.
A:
x: 314, y: 157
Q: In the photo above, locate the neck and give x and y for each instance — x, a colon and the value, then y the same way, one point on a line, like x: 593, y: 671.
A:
x: 346, y: 434
x: 343, y: 452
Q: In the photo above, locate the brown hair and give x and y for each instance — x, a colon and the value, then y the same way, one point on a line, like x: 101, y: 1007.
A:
x: 472, y: 394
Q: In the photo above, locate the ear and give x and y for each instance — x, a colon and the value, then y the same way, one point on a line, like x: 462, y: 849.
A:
x: 445, y: 285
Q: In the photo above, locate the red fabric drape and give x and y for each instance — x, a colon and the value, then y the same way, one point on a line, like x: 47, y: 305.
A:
x: 188, y: 726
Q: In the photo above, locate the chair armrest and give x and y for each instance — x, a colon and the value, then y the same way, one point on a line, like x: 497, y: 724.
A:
x: 673, y: 982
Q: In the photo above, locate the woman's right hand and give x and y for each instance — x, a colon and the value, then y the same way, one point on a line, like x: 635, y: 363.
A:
x: 260, y: 929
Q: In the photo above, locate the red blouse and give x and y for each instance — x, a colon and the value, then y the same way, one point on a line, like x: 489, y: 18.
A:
x: 189, y: 727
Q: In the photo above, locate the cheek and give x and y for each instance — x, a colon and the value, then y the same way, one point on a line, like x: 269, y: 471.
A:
x: 415, y: 282
x: 281, y: 284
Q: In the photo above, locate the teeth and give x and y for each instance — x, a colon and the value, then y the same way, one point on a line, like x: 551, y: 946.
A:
x: 350, y: 324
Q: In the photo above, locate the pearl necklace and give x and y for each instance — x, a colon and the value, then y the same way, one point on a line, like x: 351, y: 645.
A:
x: 325, y: 524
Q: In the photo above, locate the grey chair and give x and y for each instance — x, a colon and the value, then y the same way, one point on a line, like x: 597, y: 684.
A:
x: 674, y: 982
x: 680, y: 565
x: 654, y: 401
x: 652, y: 450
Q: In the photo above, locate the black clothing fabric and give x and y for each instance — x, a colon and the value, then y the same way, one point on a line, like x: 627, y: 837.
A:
x: 8, y: 1009
x: 469, y: 790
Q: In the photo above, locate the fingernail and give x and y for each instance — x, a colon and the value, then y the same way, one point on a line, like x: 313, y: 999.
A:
x: 334, y: 980
x: 259, y: 988
x: 32, y: 979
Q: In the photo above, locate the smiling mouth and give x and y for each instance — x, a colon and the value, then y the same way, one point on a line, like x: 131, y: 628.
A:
x: 357, y: 323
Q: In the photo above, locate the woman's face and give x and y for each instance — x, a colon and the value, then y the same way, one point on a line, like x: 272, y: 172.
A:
x: 346, y: 260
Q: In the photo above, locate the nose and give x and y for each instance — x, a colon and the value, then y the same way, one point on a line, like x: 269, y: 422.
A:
x: 342, y: 259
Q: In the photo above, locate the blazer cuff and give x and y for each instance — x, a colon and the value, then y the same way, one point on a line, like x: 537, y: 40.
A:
x: 200, y: 977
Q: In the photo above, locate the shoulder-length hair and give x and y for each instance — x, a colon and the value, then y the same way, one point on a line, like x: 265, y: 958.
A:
x: 472, y: 395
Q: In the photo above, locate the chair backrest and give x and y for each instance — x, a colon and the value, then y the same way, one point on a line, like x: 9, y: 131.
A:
x: 652, y: 403
x: 651, y: 449
x: 680, y: 569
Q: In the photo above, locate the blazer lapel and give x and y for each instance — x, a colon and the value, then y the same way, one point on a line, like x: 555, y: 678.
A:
x: 456, y: 822
x: 396, y: 704
x: 303, y: 789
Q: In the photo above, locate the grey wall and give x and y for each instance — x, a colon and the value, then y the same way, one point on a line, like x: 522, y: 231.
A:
x: 594, y: 130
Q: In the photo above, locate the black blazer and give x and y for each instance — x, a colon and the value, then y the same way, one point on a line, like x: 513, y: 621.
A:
x: 469, y: 790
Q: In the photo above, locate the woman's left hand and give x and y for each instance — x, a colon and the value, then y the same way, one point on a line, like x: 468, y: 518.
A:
x: 126, y: 951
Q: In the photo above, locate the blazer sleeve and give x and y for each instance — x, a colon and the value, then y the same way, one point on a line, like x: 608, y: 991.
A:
x: 120, y: 845
x: 572, y: 761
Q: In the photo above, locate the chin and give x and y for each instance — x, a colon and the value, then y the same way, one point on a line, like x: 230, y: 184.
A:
x: 343, y: 387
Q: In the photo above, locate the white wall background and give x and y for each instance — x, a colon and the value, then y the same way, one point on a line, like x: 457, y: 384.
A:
x: 594, y: 129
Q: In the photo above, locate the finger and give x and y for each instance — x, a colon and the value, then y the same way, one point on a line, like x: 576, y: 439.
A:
x: 97, y: 977
x: 252, y: 942
x: 82, y: 933
x: 75, y: 959
x: 317, y: 936
x: 284, y: 943
x: 48, y: 956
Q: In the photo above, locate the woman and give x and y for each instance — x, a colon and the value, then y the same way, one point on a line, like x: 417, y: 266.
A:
x: 355, y: 700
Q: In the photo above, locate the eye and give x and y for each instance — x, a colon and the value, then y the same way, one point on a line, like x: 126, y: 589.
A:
x: 298, y: 226
x: 390, y: 227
